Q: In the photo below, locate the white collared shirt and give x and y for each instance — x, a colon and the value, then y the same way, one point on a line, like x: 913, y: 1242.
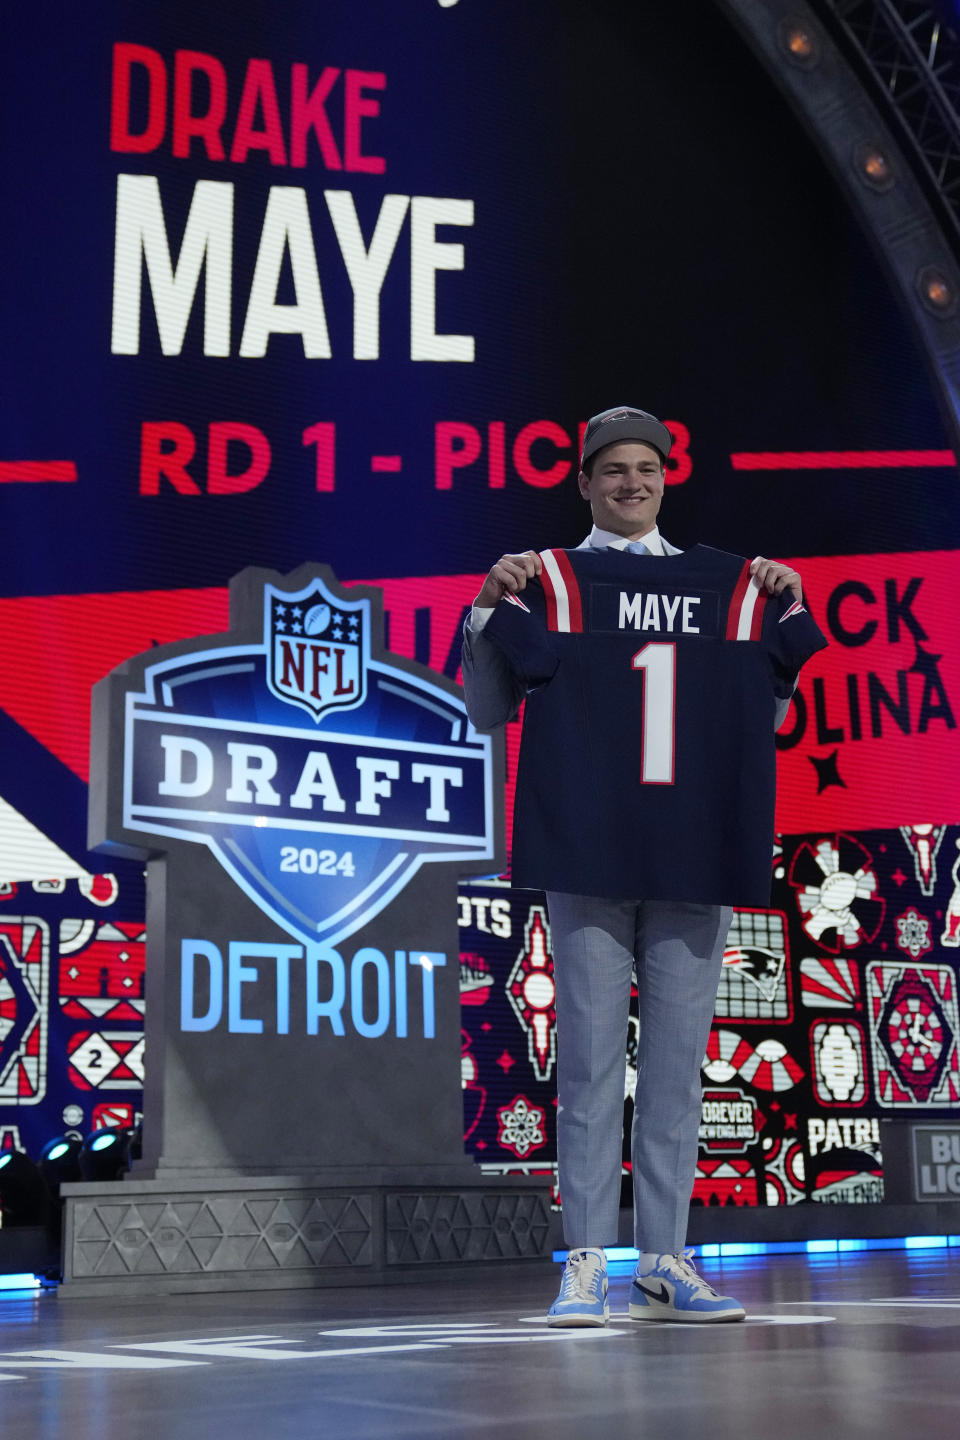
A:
x: 599, y: 539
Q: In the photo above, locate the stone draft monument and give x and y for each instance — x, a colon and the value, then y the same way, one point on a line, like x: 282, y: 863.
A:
x: 305, y: 803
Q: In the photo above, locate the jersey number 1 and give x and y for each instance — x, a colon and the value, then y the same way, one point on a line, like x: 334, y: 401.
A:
x: 658, y: 661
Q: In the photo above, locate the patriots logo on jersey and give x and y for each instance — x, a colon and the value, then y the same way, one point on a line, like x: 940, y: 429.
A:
x: 797, y: 608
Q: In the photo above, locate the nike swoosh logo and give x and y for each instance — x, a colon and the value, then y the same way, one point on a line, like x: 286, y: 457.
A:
x: 663, y: 1296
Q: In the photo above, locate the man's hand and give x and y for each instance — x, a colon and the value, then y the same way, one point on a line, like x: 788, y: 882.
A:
x: 776, y: 577
x: 509, y: 576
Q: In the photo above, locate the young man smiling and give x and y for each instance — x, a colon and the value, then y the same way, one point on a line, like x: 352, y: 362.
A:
x: 615, y: 903
x: 624, y: 485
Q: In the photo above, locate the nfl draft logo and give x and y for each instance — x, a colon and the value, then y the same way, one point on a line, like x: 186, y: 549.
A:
x: 321, y: 775
x: 320, y: 652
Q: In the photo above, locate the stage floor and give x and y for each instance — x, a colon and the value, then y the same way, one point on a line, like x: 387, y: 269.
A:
x: 859, y: 1345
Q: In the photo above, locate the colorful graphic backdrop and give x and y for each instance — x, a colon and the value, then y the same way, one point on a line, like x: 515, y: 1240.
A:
x: 343, y: 284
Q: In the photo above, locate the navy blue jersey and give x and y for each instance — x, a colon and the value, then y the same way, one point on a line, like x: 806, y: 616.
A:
x: 647, y: 765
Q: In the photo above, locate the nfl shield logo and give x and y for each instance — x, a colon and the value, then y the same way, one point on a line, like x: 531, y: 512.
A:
x: 317, y: 648
x: 321, y: 822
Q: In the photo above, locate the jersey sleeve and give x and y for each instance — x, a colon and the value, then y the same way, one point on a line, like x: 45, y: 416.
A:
x: 518, y: 627
x: 790, y: 636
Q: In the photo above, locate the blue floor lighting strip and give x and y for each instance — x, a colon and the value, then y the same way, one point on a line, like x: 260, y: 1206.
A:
x: 19, y: 1282
x: 735, y: 1249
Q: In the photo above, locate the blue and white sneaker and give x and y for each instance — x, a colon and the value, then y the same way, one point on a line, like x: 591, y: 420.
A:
x: 583, y: 1291
x: 673, y: 1290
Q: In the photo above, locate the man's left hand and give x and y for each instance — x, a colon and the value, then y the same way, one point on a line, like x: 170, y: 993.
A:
x: 776, y: 577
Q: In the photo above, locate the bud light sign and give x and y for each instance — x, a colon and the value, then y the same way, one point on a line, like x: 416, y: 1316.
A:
x: 320, y: 777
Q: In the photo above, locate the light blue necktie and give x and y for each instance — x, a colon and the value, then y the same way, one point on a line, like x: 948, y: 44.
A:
x: 636, y: 547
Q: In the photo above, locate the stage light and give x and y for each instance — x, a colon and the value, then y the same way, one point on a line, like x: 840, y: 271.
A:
x: 874, y: 167
x: 23, y: 1195
x: 105, y: 1155
x: 737, y: 1249
x: 22, y: 1280
x: 800, y: 43
x: 936, y: 291
x: 60, y: 1162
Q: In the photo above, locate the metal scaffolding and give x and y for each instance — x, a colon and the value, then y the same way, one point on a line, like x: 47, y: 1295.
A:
x: 910, y: 60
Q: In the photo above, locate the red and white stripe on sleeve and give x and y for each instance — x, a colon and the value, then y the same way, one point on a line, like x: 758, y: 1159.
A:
x: 562, y: 592
x: 745, y: 615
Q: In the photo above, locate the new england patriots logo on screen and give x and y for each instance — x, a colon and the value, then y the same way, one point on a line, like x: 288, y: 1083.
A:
x: 321, y: 776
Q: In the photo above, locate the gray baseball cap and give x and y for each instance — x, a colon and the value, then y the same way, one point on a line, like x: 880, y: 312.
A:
x: 623, y: 422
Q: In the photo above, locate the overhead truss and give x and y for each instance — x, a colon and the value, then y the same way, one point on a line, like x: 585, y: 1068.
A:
x: 911, y: 59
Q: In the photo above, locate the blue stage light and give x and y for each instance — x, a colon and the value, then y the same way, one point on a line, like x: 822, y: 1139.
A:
x: 60, y: 1161
x: 23, y: 1194
x: 736, y: 1249
x: 20, y: 1282
x: 105, y: 1154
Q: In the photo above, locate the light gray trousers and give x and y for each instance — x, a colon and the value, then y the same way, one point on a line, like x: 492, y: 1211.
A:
x: 678, y: 951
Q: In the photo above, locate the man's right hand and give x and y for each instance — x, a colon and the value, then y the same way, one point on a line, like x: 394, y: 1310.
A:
x: 508, y: 577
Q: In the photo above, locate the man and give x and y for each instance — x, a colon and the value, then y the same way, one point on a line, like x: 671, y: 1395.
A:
x: 675, y: 940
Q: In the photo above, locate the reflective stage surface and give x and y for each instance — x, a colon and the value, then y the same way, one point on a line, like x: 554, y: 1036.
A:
x: 862, y: 1345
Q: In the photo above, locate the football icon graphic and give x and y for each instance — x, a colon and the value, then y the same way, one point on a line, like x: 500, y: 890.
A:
x: 316, y: 619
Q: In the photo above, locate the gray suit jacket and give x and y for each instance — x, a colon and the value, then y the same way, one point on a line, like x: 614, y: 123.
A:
x: 493, y: 693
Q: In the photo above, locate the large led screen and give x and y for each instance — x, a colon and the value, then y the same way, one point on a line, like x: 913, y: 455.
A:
x: 342, y: 283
